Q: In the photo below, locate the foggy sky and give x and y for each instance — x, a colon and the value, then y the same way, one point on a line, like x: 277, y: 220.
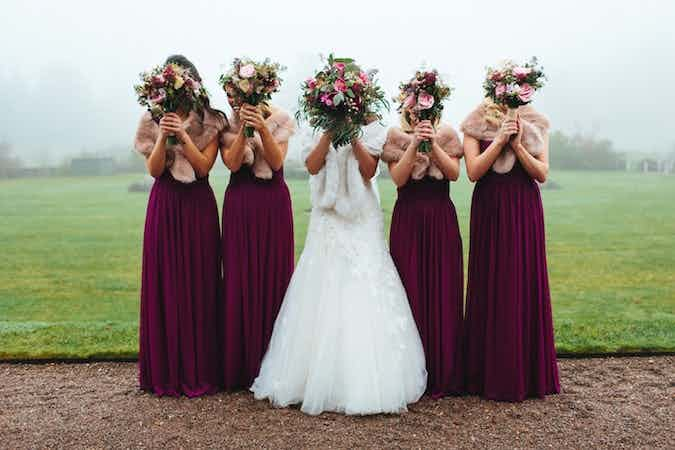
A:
x: 67, y: 68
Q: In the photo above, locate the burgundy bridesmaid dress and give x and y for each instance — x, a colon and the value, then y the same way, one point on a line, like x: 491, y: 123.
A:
x: 178, y: 347
x: 179, y: 290
x: 258, y: 261
x: 426, y: 247
x: 510, y: 351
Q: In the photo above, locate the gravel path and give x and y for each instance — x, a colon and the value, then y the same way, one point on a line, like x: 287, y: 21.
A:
x: 615, y: 402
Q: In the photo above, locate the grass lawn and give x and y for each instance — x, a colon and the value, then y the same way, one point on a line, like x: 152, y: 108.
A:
x: 70, y: 265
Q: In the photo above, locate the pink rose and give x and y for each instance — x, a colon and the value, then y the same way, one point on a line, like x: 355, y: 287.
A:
x: 425, y: 100
x: 526, y: 92
x: 340, y: 85
x: 311, y: 83
x: 247, y: 71
x: 521, y: 72
x: 364, y: 77
x: 158, y: 96
x: 513, y: 89
x: 326, y: 100
x: 158, y: 80
x: 340, y: 67
x: 500, y: 90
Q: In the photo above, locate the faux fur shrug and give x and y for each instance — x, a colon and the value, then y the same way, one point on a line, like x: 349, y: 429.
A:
x: 201, y: 131
x: 398, y: 140
x: 282, y: 127
x: 484, y: 122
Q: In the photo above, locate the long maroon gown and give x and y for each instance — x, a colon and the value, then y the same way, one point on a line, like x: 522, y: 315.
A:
x: 510, y: 351
x: 426, y: 247
x: 178, y: 352
x: 258, y: 261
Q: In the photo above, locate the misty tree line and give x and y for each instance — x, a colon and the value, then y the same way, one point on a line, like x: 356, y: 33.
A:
x: 583, y: 152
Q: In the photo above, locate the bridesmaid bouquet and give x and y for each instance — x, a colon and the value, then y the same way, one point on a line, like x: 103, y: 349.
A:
x: 513, y: 85
x: 251, y: 82
x: 341, y: 98
x: 169, y: 88
x: 421, y: 98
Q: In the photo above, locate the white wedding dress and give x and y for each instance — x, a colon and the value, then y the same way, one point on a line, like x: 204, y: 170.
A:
x: 345, y: 339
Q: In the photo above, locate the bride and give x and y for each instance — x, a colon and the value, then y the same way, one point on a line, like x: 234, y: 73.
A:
x: 345, y: 339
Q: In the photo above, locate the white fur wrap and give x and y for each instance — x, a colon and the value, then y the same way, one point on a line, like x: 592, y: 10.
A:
x: 339, y: 185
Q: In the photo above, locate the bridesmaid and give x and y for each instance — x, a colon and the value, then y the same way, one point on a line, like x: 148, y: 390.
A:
x: 426, y: 245
x: 510, y: 353
x: 258, y: 241
x: 181, y: 252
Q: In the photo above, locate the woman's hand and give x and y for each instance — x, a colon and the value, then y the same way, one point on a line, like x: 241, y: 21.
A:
x: 423, y: 131
x: 509, y: 128
x: 167, y: 126
x: 429, y: 132
x: 172, y: 124
x: 252, y: 117
x: 517, y: 139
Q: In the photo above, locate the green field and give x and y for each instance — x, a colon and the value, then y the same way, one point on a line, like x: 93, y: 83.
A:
x: 70, y: 265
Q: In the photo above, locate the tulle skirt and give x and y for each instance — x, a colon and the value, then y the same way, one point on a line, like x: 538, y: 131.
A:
x: 179, y: 290
x: 345, y: 339
x: 258, y: 260
x: 427, y: 249
x: 510, y: 352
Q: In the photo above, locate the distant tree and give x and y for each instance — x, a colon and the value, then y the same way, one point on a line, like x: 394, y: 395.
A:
x: 583, y: 152
x: 8, y: 162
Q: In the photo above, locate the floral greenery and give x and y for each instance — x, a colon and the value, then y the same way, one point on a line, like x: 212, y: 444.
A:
x: 341, y: 98
x: 251, y: 82
x: 421, y: 98
x: 170, y: 88
x: 513, y: 85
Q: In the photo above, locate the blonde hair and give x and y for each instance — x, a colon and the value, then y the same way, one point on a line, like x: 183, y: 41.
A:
x: 407, y: 126
x: 494, y: 113
x: 266, y: 109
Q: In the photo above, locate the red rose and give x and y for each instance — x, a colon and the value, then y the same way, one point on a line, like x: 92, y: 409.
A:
x: 430, y: 77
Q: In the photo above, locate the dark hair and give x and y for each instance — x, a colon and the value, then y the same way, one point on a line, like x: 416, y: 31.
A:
x: 184, y: 62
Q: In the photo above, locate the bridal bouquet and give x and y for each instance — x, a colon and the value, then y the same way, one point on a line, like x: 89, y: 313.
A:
x: 169, y: 88
x: 421, y: 98
x: 513, y: 85
x: 251, y: 82
x: 341, y: 98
